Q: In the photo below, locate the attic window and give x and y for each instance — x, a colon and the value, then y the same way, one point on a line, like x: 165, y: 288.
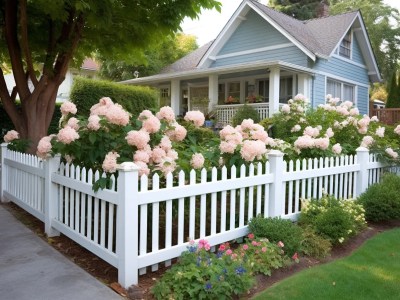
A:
x: 345, y: 46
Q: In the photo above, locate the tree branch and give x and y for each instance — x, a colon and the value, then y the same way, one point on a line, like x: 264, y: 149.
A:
x: 14, y: 50
x: 8, y: 102
x: 50, y: 55
x: 25, y: 41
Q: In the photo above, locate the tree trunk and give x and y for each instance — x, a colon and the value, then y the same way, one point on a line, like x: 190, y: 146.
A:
x: 36, y: 113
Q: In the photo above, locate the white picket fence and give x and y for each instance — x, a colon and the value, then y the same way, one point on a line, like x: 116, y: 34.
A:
x: 142, y: 222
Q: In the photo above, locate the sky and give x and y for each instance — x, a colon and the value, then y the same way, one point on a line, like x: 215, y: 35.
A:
x: 211, y: 22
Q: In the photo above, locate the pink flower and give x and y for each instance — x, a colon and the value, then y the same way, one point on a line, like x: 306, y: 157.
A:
x: 380, y: 132
x: 280, y: 244
x: 102, y: 107
x: 392, y: 153
x: 115, y: 114
x: 329, y: 132
x: 304, y: 141
x: 68, y: 107
x: 285, y: 109
x: 247, y: 124
x: 165, y: 143
x: 158, y: 154
x: 94, y: 122
x: 337, y: 149
x: 151, y: 125
x: 204, y: 244
x: 367, y: 141
x: 144, y: 115
x: 296, y: 128
x: 197, y: 161
x: 74, y: 123
x: 67, y: 135
x: 228, y: 252
x: 354, y: 111
x: 141, y: 155
x: 10, y: 136
x: 245, y: 247
x: 300, y: 97
x: 254, y: 243
x: 374, y: 119
x: 362, y: 130
x: 197, y: 117
x: 172, y: 154
x: 166, y: 165
x: 311, y: 131
x: 221, y: 247
x: 110, y: 162
x: 143, y: 168
x: 227, y: 147
x: 44, y: 147
x: 177, y: 134
x: 264, y: 249
x: 250, y: 236
x: 139, y: 139
x: 166, y: 113
x: 295, y: 257
x: 322, y: 143
x: 252, y: 149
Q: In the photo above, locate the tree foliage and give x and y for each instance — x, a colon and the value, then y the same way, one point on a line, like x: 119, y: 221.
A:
x: 154, y: 59
x: 299, y: 9
x: 393, y: 95
x: 52, y: 34
x: 383, y: 25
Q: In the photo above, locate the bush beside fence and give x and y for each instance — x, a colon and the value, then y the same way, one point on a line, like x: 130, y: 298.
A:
x: 141, y: 222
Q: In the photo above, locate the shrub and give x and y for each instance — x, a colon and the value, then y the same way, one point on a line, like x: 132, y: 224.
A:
x: 243, y: 113
x: 277, y: 229
x: 314, y: 245
x: 382, y: 201
x: 87, y: 92
x: 200, y: 274
x: 334, y: 219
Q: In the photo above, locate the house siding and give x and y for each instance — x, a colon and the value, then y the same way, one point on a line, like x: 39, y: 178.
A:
x: 318, y: 90
x: 362, y: 96
x: 357, y: 55
x: 289, y: 54
x: 256, y: 33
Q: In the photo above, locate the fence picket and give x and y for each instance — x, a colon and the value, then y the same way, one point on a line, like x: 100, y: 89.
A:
x: 214, y: 178
x: 96, y: 213
x: 181, y: 210
x: 290, y: 195
x: 144, y: 185
x: 156, y: 218
x: 77, y: 200
x: 251, y: 195
x: 242, y: 196
x: 224, y: 177
x: 90, y: 207
x: 203, y: 206
x: 168, y: 219
x: 233, y: 201
x: 192, y: 208
x: 259, y: 190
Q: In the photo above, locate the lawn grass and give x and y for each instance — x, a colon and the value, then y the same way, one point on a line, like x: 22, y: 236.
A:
x: 371, y: 272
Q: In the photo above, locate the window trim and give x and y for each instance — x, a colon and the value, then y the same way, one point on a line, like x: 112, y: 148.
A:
x: 342, y: 84
x: 348, y: 38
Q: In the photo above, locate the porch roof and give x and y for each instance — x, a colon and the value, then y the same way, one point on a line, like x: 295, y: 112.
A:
x: 196, y: 73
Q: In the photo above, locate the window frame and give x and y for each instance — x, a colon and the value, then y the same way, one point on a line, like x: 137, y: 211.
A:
x: 346, y: 45
x: 341, y: 85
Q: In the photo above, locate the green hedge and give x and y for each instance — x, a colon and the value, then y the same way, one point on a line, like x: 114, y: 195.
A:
x: 87, y: 92
x: 6, y: 124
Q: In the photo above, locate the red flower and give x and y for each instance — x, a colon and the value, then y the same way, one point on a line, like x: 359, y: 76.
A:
x: 295, y: 256
x: 250, y: 236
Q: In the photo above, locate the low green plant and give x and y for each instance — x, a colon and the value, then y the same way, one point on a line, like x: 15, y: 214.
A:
x: 334, y: 219
x: 314, y: 245
x: 243, y: 113
x: 382, y: 200
x: 277, y: 229
x: 200, y: 274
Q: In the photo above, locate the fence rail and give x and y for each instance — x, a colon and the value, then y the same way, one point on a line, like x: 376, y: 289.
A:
x: 388, y: 116
x: 142, y: 222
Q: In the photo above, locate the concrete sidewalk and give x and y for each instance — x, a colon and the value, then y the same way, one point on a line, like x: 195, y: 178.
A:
x: 32, y: 269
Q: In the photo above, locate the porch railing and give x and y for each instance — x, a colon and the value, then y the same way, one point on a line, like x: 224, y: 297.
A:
x: 225, y: 113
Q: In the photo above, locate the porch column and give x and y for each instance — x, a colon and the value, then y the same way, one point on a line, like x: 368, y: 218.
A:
x: 176, y: 96
x: 274, y: 78
x: 212, y: 91
x: 304, y: 85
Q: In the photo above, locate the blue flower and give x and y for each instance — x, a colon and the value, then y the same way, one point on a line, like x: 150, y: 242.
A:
x: 208, y: 286
x: 192, y: 248
x: 198, y: 261
x: 240, y: 270
x: 219, y: 254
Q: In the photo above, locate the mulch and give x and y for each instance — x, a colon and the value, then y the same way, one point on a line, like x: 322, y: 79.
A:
x: 109, y: 275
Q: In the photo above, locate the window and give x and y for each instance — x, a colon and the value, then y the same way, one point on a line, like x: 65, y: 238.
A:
x: 345, y: 46
x: 221, y: 93
x: 234, y: 89
x: 338, y: 89
x: 165, y: 99
x: 285, y: 89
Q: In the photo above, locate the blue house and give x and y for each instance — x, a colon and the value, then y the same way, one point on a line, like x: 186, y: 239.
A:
x: 264, y: 57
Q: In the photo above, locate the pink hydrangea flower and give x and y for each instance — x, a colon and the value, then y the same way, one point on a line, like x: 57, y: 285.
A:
x: 94, y: 122
x: 143, y: 168
x: 151, y: 124
x: 74, y: 123
x: 141, y: 155
x: 392, y: 153
x: 172, y: 154
x: 115, y: 114
x: 367, y: 141
x: 296, y: 128
x: 167, y: 165
x: 260, y: 135
x: 68, y: 107
x: 139, y: 139
x: 397, y: 130
x: 144, y: 115
x: 102, y: 107
x: 227, y: 147
x: 281, y: 244
x: 329, y: 132
x: 110, y: 162
x: 311, y: 131
x: 300, y: 97
x: 337, y: 149
x: 252, y: 149
x: 158, y: 154
x: 10, y: 136
x: 374, y: 119
x: 177, y: 134
x: 304, y: 142
x: 195, y: 116
x: 67, y: 135
x: 380, y: 132
x: 362, y: 130
x: 285, y: 109
x: 165, y: 143
x: 166, y: 113
x: 44, y: 147
x: 322, y: 143
x: 197, y: 161
x: 354, y: 111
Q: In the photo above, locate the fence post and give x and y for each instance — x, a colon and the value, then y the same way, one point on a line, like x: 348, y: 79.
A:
x: 276, y: 195
x: 51, y: 200
x: 128, y: 224
x: 362, y: 176
x: 3, y: 181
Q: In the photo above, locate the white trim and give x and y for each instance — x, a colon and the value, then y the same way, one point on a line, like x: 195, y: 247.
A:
x: 342, y: 37
x: 372, y: 73
x: 350, y: 61
x: 257, y: 50
x: 342, y: 79
x: 282, y: 31
x: 342, y: 83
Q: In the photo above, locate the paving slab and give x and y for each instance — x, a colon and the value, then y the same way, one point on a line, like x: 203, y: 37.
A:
x: 31, y: 269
